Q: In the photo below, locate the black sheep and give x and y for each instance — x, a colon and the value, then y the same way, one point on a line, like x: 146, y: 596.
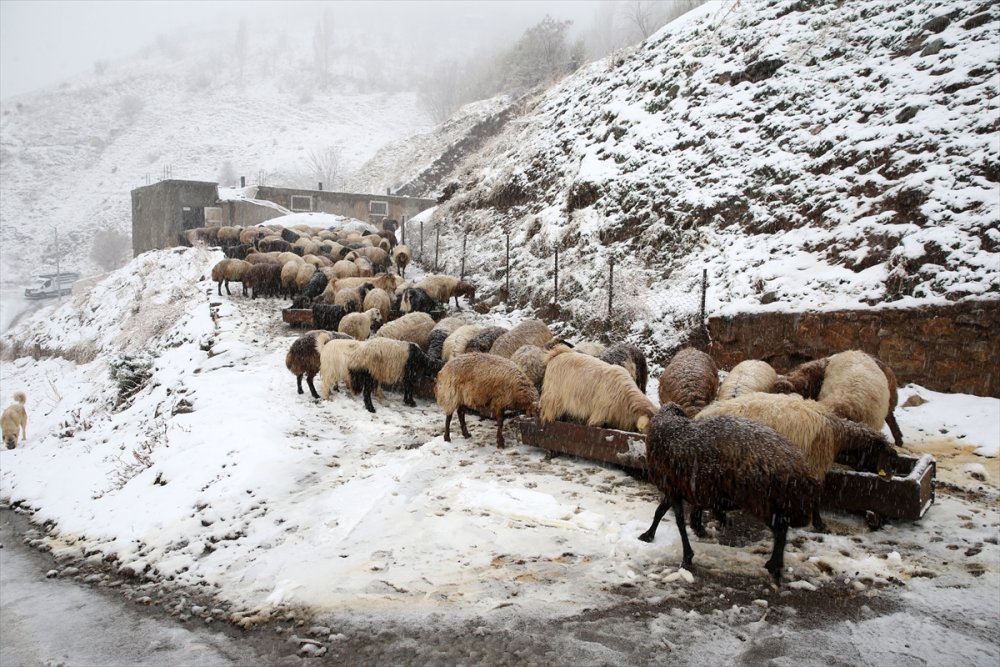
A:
x: 327, y: 316
x: 631, y: 359
x: 417, y: 300
x: 316, y: 285
x: 263, y: 279
x: 726, y: 462
x: 483, y: 341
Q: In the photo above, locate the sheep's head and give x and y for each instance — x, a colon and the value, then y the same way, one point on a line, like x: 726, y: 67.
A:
x: 10, y: 440
x: 642, y: 424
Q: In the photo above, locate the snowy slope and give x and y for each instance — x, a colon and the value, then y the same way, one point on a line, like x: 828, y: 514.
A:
x: 810, y: 155
x: 217, y: 475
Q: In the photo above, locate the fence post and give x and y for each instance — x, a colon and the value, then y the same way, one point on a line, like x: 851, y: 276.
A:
x: 611, y: 284
x: 421, y: 240
x: 403, y: 230
x: 507, y: 269
x: 704, y: 288
x: 556, y: 297
x: 437, y: 245
x: 465, y: 239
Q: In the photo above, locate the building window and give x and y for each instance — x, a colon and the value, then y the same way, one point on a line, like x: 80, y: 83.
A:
x: 378, y: 207
x: 302, y: 203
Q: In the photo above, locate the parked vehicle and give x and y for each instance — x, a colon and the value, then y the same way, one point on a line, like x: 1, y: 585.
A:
x: 51, y: 284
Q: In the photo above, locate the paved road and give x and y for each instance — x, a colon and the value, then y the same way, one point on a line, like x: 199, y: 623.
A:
x: 54, y: 622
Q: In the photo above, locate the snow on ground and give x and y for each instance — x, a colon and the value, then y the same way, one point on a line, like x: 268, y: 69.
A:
x: 218, y: 473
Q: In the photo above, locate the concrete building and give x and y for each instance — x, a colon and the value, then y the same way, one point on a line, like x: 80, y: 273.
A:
x: 163, y: 211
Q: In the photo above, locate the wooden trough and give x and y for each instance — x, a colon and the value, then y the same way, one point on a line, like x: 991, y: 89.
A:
x: 906, y: 495
x: 298, y: 317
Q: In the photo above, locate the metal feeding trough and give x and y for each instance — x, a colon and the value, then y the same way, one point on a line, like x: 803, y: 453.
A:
x: 298, y: 317
x: 905, y: 495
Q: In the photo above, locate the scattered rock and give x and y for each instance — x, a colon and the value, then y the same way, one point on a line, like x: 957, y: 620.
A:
x: 914, y: 401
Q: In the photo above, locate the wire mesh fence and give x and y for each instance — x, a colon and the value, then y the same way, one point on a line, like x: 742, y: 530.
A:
x: 600, y: 292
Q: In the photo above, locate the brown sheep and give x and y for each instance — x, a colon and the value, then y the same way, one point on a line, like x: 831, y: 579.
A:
x: 528, y: 332
x: 722, y: 462
x: 485, y: 383
x: 263, y: 279
x: 441, y: 288
x: 691, y: 380
x: 412, y: 327
x: 401, y: 257
x: 596, y: 393
x: 303, y: 358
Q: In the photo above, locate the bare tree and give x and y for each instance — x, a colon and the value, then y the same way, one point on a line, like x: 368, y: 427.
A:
x: 111, y: 248
x: 323, y: 47
x: 439, y: 92
x: 644, y: 17
x: 324, y: 166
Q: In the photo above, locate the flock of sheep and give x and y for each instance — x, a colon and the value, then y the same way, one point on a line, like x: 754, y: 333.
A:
x: 760, y: 442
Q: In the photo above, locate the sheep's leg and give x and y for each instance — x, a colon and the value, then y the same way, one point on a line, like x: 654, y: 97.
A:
x: 312, y: 389
x: 817, y: 521
x: 220, y: 288
x: 447, y: 427
x: 697, y: 525
x: 500, y: 442
x: 679, y: 515
x: 228, y: 293
x: 408, y: 395
x: 298, y: 383
x: 777, y: 561
x: 367, y: 383
x: 461, y: 422
x: 897, y: 435
x: 661, y: 509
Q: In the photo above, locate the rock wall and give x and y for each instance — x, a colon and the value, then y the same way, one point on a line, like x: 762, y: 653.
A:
x: 953, y: 348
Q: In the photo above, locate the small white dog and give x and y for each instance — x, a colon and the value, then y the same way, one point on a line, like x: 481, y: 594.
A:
x: 14, y: 419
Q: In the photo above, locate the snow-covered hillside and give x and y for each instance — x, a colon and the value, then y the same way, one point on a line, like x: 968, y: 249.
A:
x: 810, y: 155
x: 210, y: 480
x: 70, y: 155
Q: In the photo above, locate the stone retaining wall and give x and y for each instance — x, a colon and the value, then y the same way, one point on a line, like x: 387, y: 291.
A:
x: 952, y: 348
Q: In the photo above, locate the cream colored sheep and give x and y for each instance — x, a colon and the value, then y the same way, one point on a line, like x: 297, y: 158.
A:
x: 359, y: 325
x: 747, y: 377
x: 346, y: 268
x: 439, y: 334
x: 855, y: 388
x: 379, y: 298
x: 590, y: 347
x: 690, y: 380
x: 587, y: 389
x: 455, y: 343
x: 304, y: 275
x: 333, y: 365
x: 387, y: 362
x: 14, y: 420
x: 812, y: 427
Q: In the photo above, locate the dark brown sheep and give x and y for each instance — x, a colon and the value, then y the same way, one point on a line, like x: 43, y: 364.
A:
x: 722, y: 462
x: 631, y: 359
x: 691, y: 380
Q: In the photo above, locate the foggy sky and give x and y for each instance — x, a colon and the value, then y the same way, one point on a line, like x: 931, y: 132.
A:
x: 44, y: 42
